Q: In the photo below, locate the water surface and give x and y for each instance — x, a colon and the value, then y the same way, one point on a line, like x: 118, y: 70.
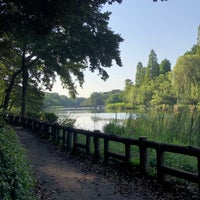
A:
x: 90, y: 119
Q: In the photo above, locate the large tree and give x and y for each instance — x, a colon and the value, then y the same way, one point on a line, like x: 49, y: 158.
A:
x: 140, y: 74
x: 165, y: 66
x: 63, y: 38
x: 152, y: 69
x: 198, y: 36
x: 187, y: 79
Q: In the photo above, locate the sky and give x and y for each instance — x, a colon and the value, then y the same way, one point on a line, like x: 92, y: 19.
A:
x: 169, y: 27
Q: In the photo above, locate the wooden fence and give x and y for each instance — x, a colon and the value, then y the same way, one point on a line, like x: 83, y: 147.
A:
x: 69, y: 138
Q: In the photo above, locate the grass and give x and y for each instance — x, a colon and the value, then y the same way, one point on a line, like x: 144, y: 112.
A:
x: 166, y: 127
x: 180, y: 128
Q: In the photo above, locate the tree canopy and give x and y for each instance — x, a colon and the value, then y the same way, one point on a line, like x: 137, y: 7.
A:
x: 62, y: 38
x: 152, y: 69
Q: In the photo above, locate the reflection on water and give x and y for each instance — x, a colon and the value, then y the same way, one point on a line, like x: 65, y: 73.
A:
x: 88, y: 119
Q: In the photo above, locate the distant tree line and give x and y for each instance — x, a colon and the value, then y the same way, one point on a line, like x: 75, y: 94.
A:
x: 95, y: 99
x: 54, y: 99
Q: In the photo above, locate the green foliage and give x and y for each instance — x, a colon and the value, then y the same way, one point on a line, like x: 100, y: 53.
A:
x: 183, y: 162
x: 16, y: 180
x: 54, y: 99
x: 35, y: 98
x: 44, y: 116
x: 181, y: 128
x: 153, y: 86
x: 140, y: 74
x: 115, y: 106
x: 48, y: 43
x: 176, y: 127
x: 165, y: 66
x: 152, y: 69
x: 48, y: 116
x: 162, y: 86
x: 101, y: 98
x: 114, y: 128
x: 187, y: 79
x: 198, y: 37
x: 115, y: 98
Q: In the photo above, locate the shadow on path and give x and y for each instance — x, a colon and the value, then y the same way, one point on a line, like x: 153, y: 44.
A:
x: 63, y: 179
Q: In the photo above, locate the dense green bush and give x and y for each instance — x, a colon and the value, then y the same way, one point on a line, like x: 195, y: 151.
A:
x: 115, y: 106
x: 114, y: 128
x: 49, y: 117
x: 44, y: 116
x: 16, y: 180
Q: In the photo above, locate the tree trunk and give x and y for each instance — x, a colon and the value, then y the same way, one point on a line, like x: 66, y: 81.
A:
x: 9, y: 90
x: 24, y: 85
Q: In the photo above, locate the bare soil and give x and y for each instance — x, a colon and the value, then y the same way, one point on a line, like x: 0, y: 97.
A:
x: 63, y: 176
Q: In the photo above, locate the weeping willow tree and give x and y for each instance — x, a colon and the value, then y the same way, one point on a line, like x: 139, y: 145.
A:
x: 187, y: 79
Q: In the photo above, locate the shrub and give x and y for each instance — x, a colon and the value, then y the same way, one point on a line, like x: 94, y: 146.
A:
x: 16, y: 180
x: 48, y: 116
x: 114, y: 128
x: 114, y: 106
x: 44, y: 116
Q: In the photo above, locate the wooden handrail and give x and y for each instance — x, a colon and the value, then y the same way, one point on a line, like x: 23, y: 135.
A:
x: 68, y: 137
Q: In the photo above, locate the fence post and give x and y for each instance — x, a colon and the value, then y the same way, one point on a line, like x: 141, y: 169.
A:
x: 198, y: 163
x: 96, y: 144
x: 128, y: 154
x: 160, y: 163
x: 56, y: 132
x: 63, y: 137
x: 53, y: 133
x: 75, y: 139
x: 106, y: 147
x: 143, y: 155
x: 69, y: 138
x: 42, y: 128
x: 46, y: 131
x: 88, y: 144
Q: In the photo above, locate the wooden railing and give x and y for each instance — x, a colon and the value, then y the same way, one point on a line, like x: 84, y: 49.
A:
x: 69, y: 138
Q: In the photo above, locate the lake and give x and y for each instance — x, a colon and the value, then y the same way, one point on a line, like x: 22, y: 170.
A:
x: 89, y: 119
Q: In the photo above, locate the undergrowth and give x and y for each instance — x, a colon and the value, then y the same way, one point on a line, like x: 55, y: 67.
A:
x: 16, y: 181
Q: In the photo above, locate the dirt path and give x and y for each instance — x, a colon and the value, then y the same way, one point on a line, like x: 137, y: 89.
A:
x: 63, y: 179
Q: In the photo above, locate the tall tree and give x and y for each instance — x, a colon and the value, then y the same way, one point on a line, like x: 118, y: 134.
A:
x: 60, y: 38
x: 187, y: 79
x: 152, y: 69
x: 198, y: 36
x: 165, y: 66
x: 140, y: 74
x: 198, y: 40
x: 127, y: 93
x: 9, y: 61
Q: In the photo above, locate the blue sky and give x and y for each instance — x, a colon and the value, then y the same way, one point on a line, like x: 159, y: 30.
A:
x: 169, y: 27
